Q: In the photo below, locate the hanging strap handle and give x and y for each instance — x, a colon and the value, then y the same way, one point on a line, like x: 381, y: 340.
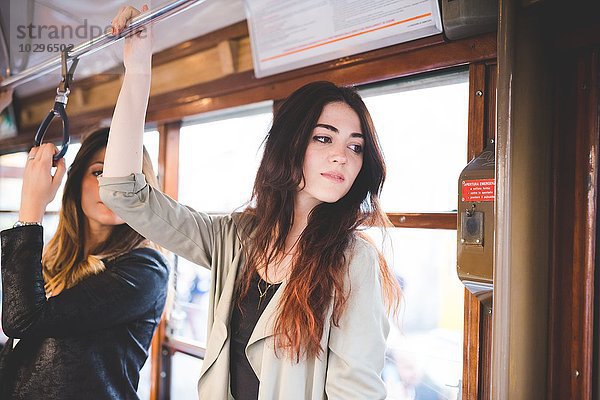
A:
x: 60, y: 103
x: 57, y: 111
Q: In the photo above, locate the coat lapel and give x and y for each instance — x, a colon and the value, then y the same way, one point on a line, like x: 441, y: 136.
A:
x: 224, y: 307
x: 219, y: 332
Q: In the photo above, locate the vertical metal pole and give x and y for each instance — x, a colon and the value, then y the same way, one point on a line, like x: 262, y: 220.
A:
x: 502, y: 262
x: 523, y: 207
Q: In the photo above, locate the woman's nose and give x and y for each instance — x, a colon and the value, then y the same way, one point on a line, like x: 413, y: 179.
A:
x: 338, y: 155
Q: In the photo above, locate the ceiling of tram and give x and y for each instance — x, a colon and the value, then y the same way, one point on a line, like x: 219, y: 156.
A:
x: 75, y: 22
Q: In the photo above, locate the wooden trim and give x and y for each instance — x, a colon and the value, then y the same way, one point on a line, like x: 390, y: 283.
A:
x: 596, y: 330
x: 477, y: 97
x: 379, y: 65
x: 186, y: 346
x: 485, y: 367
x: 471, y: 347
x: 477, y: 330
x: 590, y: 86
x: 485, y: 351
x: 482, y: 106
x: 245, y: 81
x: 156, y: 361
x: 168, y: 170
x: 575, y: 187
x: 196, y: 45
x: 490, y: 101
x: 423, y: 220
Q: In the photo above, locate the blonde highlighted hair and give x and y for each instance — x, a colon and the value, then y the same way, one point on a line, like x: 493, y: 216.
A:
x: 65, y: 261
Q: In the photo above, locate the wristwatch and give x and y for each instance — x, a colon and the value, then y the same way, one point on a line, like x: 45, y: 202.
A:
x: 23, y: 223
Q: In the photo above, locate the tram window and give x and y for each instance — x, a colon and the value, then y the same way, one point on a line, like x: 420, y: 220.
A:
x: 151, y: 142
x: 11, y: 171
x: 219, y: 156
x: 185, y: 370
x: 422, y: 126
x: 425, y: 345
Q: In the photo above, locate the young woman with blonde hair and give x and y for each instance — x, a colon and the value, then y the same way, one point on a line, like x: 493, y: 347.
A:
x: 85, y: 311
x: 298, y: 295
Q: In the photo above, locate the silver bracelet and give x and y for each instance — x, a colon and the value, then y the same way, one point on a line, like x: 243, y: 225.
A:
x: 23, y: 223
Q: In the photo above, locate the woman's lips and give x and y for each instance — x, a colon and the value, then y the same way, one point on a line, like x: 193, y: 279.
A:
x: 334, y: 176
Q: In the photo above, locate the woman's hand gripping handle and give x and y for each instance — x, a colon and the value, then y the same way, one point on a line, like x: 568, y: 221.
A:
x: 39, y: 185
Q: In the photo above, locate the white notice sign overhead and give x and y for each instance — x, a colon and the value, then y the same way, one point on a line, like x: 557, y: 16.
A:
x: 290, y: 34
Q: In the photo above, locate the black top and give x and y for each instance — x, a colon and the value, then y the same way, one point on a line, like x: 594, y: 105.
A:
x: 89, y: 341
x: 243, y: 380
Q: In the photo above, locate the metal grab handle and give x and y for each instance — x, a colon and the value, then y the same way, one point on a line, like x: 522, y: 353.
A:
x: 57, y: 111
x: 60, y: 102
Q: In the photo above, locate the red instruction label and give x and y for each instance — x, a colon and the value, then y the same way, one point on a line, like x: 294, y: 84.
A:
x: 479, y: 190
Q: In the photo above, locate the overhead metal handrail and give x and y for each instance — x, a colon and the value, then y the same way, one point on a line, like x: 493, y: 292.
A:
x: 100, y: 42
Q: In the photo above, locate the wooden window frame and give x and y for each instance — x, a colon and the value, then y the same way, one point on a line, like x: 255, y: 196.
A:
x: 478, y: 319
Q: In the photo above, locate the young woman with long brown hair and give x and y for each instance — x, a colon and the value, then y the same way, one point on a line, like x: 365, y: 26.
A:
x: 298, y: 296
x: 85, y: 307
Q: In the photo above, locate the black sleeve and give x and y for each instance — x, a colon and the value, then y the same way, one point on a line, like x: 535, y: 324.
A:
x: 128, y: 289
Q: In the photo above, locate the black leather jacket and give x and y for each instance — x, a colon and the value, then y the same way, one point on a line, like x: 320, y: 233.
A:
x: 88, y: 342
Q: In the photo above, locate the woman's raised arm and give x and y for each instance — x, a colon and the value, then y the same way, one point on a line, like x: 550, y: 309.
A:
x: 124, y: 151
x: 123, y: 187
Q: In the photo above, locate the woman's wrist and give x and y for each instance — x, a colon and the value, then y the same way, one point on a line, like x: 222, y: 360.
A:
x: 138, y: 71
x: 144, y: 68
x: 28, y: 215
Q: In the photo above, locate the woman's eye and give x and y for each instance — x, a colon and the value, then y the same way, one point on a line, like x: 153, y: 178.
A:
x: 97, y: 173
x: 357, y: 148
x: 322, y: 139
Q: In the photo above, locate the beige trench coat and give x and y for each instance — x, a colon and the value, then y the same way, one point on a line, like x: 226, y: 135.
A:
x: 354, y: 351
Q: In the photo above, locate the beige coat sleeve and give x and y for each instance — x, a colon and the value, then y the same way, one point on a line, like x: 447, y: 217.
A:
x: 357, y: 346
x: 159, y: 218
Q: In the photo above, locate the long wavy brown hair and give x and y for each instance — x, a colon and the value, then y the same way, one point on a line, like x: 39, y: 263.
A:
x: 65, y: 262
x: 321, y: 261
